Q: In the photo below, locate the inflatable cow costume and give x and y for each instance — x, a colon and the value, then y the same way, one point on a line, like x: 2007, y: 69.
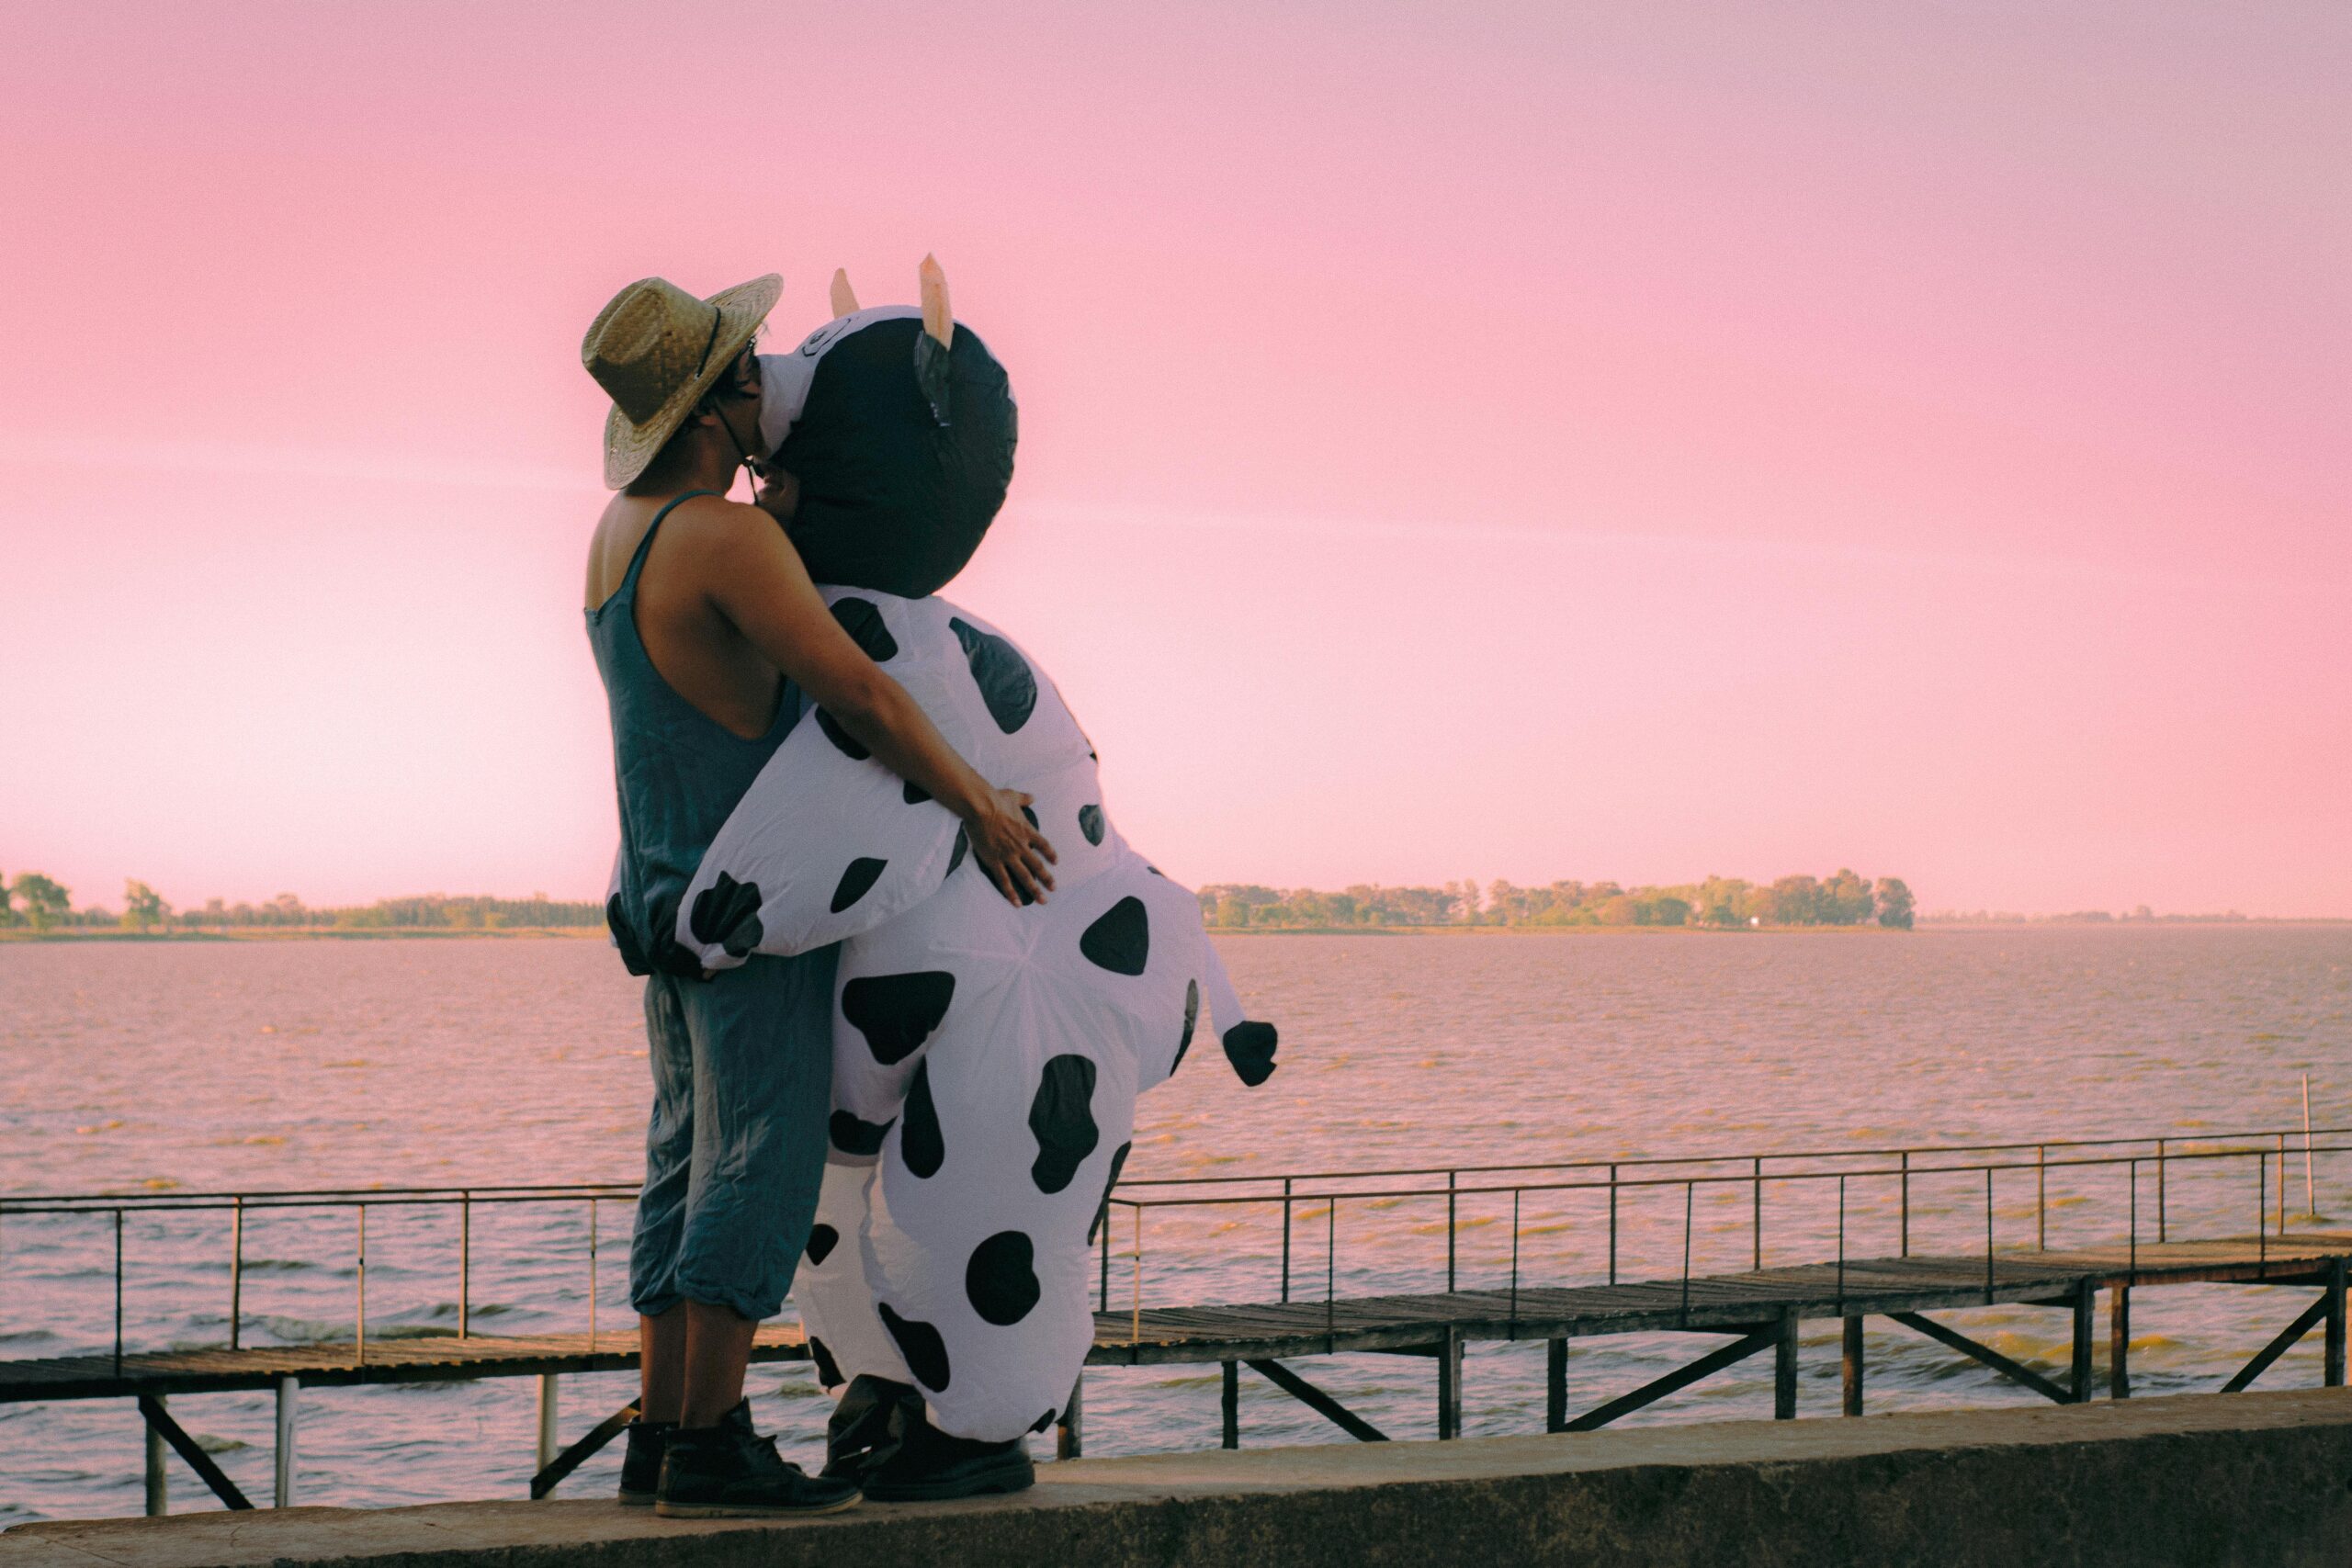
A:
x: 987, y: 1057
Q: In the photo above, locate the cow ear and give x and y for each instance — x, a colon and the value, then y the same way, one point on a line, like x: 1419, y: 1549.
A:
x: 937, y: 320
x: 845, y: 299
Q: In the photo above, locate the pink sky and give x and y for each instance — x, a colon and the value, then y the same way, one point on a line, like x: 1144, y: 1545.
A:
x: 1459, y: 440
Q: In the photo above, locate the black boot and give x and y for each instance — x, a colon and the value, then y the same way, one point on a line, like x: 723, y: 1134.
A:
x: 929, y: 1465
x: 728, y: 1472
x: 865, y: 1428
x: 641, y: 1462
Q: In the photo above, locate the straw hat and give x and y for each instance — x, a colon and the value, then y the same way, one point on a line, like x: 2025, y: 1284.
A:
x: 656, y: 349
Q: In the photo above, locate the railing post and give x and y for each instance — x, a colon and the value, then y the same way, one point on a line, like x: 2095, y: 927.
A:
x: 2135, y: 1223
x: 359, y: 1332
x: 1989, y: 1235
x: 592, y: 1276
x: 1841, y: 1243
x: 1689, y: 1188
x: 1102, y: 1286
x: 289, y: 1392
x: 1449, y: 1232
x: 2282, y: 1186
x: 1287, y: 1238
x: 465, y: 1258
x: 117, y: 1292
x: 2261, y: 1210
x: 236, y: 1271
x: 1756, y: 1214
x: 1612, y: 1225
x: 2163, y: 1234
x: 2042, y: 1197
x: 2310, y: 1185
x: 1907, y: 1202
x: 1514, y: 1262
x: 1331, y: 1269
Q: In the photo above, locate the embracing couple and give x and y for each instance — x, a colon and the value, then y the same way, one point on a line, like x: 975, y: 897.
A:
x: 885, y: 1060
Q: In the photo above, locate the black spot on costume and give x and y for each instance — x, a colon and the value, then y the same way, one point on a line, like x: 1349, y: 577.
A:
x: 857, y: 878
x: 1001, y: 1278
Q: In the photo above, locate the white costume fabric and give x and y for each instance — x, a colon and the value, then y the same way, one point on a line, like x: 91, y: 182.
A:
x: 985, y: 1057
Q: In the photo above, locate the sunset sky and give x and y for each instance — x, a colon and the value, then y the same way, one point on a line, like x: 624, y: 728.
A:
x: 1459, y: 439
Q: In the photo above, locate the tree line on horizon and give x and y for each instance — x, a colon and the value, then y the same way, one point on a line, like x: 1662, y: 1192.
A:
x: 1719, y: 902
x: 1843, y: 900
x: 38, y: 901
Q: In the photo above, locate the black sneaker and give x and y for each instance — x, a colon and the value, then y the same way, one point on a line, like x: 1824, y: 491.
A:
x: 641, y: 1463
x: 728, y: 1472
x: 929, y: 1466
x: 865, y: 1425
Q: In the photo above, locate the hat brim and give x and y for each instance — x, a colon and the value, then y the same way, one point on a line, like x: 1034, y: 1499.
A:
x: 629, y: 447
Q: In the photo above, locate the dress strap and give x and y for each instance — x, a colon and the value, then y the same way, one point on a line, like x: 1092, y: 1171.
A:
x: 636, y: 562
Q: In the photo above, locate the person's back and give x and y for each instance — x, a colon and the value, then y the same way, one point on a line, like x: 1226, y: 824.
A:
x: 697, y: 709
x: 702, y: 636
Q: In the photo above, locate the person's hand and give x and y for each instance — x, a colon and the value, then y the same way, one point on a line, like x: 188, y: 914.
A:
x: 1006, y: 843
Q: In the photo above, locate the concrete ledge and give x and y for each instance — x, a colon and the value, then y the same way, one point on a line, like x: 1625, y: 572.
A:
x: 2253, y: 1479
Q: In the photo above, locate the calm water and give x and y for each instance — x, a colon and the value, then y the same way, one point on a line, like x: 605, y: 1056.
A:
x: 324, y: 1063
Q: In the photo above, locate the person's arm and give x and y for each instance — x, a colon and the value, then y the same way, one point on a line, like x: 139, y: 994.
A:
x: 755, y: 578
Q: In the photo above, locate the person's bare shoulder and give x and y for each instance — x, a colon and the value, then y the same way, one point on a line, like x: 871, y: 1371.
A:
x: 728, y: 546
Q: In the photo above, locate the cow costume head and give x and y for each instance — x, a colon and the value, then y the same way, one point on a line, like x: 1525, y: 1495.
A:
x: 898, y: 427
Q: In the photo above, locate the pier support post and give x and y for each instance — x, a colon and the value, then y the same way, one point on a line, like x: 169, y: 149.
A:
x: 1784, y: 1369
x: 159, y: 1485
x: 2118, y: 1342
x: 1853, y: 1365
x: 289, y: 1391
x: 547, y: 1443
x: 2335, y: 1273
x: 2085, y: 1325
x: 1555, y: 1385
x: 1070, y: 1433
x: 1449, y: 1386
x: 1232, y: 1404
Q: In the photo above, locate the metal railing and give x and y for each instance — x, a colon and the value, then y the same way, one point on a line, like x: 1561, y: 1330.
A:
x: 360, y: 1201
x: 1899, y: 1166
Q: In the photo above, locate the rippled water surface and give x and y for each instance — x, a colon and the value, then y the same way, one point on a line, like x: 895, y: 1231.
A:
x: 306, y: 1064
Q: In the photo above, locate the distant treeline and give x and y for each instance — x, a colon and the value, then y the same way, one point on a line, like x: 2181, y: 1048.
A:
x: 1726, y: 902
x: 2142, y: 915
x: 37, y: 901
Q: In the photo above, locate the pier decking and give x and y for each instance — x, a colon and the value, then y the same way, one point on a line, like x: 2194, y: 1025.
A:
x: 1740, y: 1303
x: 1758, y: 1310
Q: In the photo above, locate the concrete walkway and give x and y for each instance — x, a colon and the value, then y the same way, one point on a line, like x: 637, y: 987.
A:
x: 2256, y: 1478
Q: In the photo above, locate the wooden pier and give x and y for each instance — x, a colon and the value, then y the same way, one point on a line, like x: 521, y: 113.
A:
x: 1750, y: 1312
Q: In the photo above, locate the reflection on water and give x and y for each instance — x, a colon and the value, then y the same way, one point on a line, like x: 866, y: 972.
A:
x: 196, y: 1066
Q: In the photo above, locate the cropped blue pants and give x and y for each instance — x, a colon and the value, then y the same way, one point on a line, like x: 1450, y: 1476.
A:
x: 735, y: 1150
